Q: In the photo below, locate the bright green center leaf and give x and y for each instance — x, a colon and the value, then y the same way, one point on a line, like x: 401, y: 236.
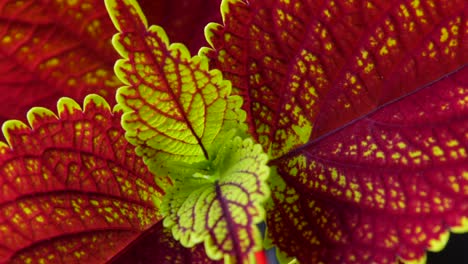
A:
x: 222, y: 204
x: 175, y: 107
x: 184, y: 121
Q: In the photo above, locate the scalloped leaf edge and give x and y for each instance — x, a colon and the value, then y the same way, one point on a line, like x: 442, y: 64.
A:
x: 63, y: 104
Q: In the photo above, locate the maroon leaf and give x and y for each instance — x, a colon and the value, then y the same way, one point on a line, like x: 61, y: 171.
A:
x: 315, y: 65
x: 50, y: 49
x: 387, y: 185
x: 317, y: 78
x: 156, y: 245
x: 183, y: 20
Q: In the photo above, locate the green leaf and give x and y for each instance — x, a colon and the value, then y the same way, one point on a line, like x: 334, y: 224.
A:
x: 175, y: 107
x: 221, y: 206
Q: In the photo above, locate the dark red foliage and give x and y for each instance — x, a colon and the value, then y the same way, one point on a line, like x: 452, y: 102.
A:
x: 183, y: 20
x: 366, y: 180
x: 50, y: 49
x: 156, y: 245
x: 72, y: 189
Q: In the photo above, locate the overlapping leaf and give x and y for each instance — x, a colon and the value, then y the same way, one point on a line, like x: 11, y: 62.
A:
x: 306, y: 68
x: 175, y: 108
x: 72, y: 189
x: 222, y: 206
x: 180, y: 112
x: 183, y: 20
x: 156, y: 245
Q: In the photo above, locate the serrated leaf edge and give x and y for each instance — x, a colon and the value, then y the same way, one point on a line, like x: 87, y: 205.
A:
x: 64, y: 104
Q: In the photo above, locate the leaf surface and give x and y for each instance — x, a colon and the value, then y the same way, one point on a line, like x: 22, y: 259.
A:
x: 317, y: 79
x: 175, y: 107
x: 50, y: 49
x: 183, y: 20
x: 304, y: 68
x: 72, y: 189
x: 221, y: 206
x: 156, y: 245
x: 397, y: 177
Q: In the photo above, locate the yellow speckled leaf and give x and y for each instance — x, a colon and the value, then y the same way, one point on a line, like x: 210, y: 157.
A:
x: 362, y: 106
x: 71, y: 187
x: 54, y: 48
x: 394, y: 182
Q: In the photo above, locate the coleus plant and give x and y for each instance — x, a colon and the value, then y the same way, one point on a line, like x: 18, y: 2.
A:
x: 350, y: 117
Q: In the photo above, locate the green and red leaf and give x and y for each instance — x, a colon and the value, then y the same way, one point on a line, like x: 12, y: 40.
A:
x: 319, y: 80
x: 175, y: 107
x: 182, y: 119
x: 221, y: 206
x: 72, y: 189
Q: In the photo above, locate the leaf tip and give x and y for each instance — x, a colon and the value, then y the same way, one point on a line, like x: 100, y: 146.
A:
x: 9, y: 126
x: 209, y: 33
x: 225, y: 6
x: 97, y: 100
x: 121, y: 11
x: 421, y: 260
x: 36, y: 114
x: 437, y: 244
x: 66, y: 105
x: 182, y: 49
x: 161, y: 34
x: 462, y: 227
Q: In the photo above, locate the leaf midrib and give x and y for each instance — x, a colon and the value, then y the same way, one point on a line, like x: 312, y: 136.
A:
x: 148, y: 50
x: 71, y: 235
x: 315, y: 141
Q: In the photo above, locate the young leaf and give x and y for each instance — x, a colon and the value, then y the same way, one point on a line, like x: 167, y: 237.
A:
x: 308, y: 68
x: 71, y: 188
x: 221, y: 206
x: 51, y: 49
x: 170, y: 98
x: 156, y: 245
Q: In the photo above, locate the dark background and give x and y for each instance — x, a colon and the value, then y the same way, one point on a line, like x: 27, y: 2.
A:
x: 456, y: 251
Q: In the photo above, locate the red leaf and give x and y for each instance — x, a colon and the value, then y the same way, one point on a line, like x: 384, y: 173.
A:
x: 50, y: 48
x: 72, y: 190
x: 183, y: 20
x: 387, y: 185
x: 317, y: 78
x: 156, y: 245
x: 315, y: 65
